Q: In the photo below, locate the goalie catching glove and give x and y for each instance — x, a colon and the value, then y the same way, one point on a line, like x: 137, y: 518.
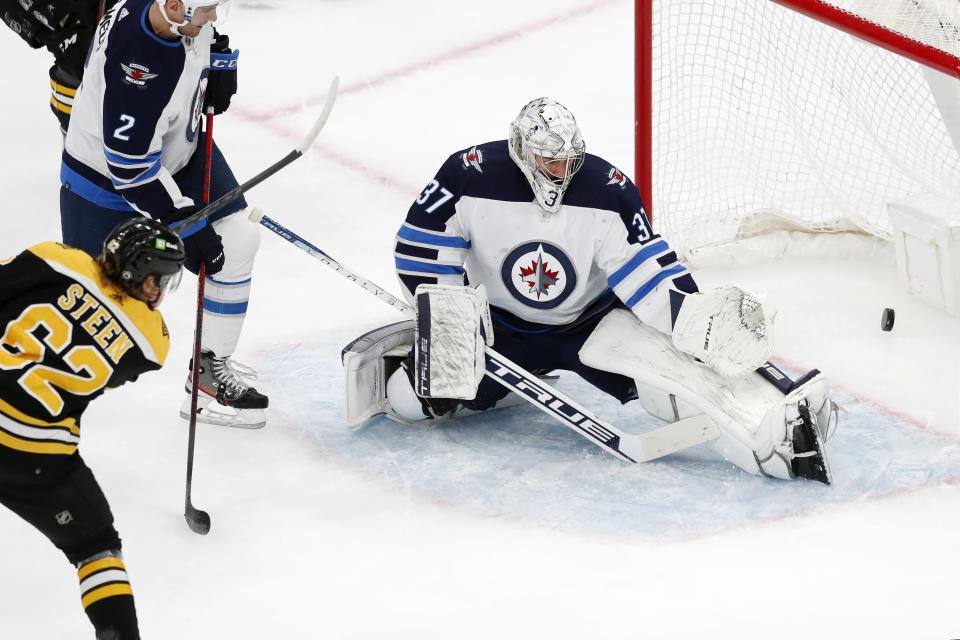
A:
x: 453, y: 325
x: 728, y: 329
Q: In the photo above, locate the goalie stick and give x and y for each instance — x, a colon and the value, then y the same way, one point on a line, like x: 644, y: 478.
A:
x: 630, y: 447
x: 189, y: 226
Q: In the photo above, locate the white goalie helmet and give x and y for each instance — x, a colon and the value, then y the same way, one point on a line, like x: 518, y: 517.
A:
x: 545, y: 143
x: 197, y: 12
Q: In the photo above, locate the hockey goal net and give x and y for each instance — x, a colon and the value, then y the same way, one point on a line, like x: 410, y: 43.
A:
x: 753, y: 116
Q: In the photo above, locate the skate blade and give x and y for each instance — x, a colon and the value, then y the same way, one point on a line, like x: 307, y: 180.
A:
x: 216, y: 414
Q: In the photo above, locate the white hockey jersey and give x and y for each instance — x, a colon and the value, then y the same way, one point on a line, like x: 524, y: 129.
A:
x: 477, y: 222
x: 137, y: 113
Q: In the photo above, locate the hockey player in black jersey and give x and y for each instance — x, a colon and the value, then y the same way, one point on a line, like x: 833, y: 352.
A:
x: 545, y: 252
x: 155, y: 68
x: 65, y: 28
x: 72, y: 326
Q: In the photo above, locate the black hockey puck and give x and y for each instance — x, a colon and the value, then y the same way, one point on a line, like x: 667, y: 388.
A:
x: 886, y: 321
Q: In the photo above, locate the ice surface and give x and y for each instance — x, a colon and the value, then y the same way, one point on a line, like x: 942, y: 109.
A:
x: 517, y: 463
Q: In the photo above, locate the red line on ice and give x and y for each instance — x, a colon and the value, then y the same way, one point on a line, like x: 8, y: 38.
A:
x: 269, y: 119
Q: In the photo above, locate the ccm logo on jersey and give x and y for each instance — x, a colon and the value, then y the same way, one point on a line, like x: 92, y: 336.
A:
x: 137, y: 74
x: 473, y: 158
x: 539, y: 274
x: 616, y: 178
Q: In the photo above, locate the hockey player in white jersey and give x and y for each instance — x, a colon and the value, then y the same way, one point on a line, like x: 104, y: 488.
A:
x: 155, y: 68
x: 546, y: 253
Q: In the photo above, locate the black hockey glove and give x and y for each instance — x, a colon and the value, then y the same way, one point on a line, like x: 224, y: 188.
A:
x: 65, y: 27
x: 69, y: 47
x: 204, y: 246
x: 222, y: 82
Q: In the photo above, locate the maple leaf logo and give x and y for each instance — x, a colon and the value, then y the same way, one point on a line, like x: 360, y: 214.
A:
x: 539, y: 277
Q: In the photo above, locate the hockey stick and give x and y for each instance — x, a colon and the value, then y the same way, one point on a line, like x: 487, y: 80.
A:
x: 626, y: 446
x: 189, y: 226
x: 197, y: 519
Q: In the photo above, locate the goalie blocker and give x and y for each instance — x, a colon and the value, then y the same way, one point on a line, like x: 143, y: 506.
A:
x: 423, y: 366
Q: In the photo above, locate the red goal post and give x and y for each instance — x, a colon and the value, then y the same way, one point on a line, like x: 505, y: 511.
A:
x: 733, y: 91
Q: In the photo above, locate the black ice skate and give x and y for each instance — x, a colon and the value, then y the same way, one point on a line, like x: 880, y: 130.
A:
x: 225, y: 396
x: 809, y: 458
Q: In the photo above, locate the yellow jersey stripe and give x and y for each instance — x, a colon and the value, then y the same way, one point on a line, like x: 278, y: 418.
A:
x: 59, y: 106
x: 106, y: 591
x: 144, y: 325
x: 62, y: 88
x: 32, y: 446
x: 12, y: 412
x: 97, y: 565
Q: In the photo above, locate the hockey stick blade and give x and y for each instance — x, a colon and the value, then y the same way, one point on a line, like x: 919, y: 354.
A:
x: 626, y: 446
x: 189, y: 226
x: 197, y: 519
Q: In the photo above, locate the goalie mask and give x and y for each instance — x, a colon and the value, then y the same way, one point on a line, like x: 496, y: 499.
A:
x: 197, y: 13
x: 545, y: 143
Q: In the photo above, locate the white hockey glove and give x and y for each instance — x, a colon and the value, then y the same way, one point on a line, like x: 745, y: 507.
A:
x: 728, y: 329
x: 453, y: 324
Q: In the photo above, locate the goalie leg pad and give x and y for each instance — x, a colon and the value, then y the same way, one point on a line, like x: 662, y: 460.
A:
x: 368, y: 363
x: 453, y: 324
x: 757, y: 421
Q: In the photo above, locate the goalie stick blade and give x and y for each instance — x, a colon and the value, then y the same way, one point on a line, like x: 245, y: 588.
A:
x: 671, y: 438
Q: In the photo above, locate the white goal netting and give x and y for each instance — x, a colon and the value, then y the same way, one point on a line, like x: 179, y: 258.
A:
x: 764, y: 118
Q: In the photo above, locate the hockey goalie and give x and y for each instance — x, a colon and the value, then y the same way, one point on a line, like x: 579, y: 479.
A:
x: 545, y: 251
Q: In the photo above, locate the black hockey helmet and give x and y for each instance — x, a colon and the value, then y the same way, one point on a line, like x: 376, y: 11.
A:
x: 141, y: 247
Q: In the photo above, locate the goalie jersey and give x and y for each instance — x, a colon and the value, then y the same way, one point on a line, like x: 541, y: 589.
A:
x: 136, y: 115
x: 66, y: 335
x: 477, y: 222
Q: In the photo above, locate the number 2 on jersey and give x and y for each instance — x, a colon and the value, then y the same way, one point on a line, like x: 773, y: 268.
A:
x: 128, y: 121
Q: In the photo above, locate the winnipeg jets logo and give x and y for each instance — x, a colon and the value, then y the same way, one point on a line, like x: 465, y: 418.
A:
x: 123, y: 14
x: 538, y: 274
x: 473, y: 158
x: 616, y: 178
x: 137, y: 74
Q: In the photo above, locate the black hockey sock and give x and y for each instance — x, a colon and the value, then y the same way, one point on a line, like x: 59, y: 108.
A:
x: 108, y: 599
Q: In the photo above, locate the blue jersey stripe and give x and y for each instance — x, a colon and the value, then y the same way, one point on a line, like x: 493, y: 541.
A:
x: 641, y: 256
x: 92, y: 192
x: 652, y: 283
x: 423, y: 237
x: 225, y: 308
x: 423, y: 267
x: 146, y: 176
x: 119, y: 160
x: 224, y: 283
